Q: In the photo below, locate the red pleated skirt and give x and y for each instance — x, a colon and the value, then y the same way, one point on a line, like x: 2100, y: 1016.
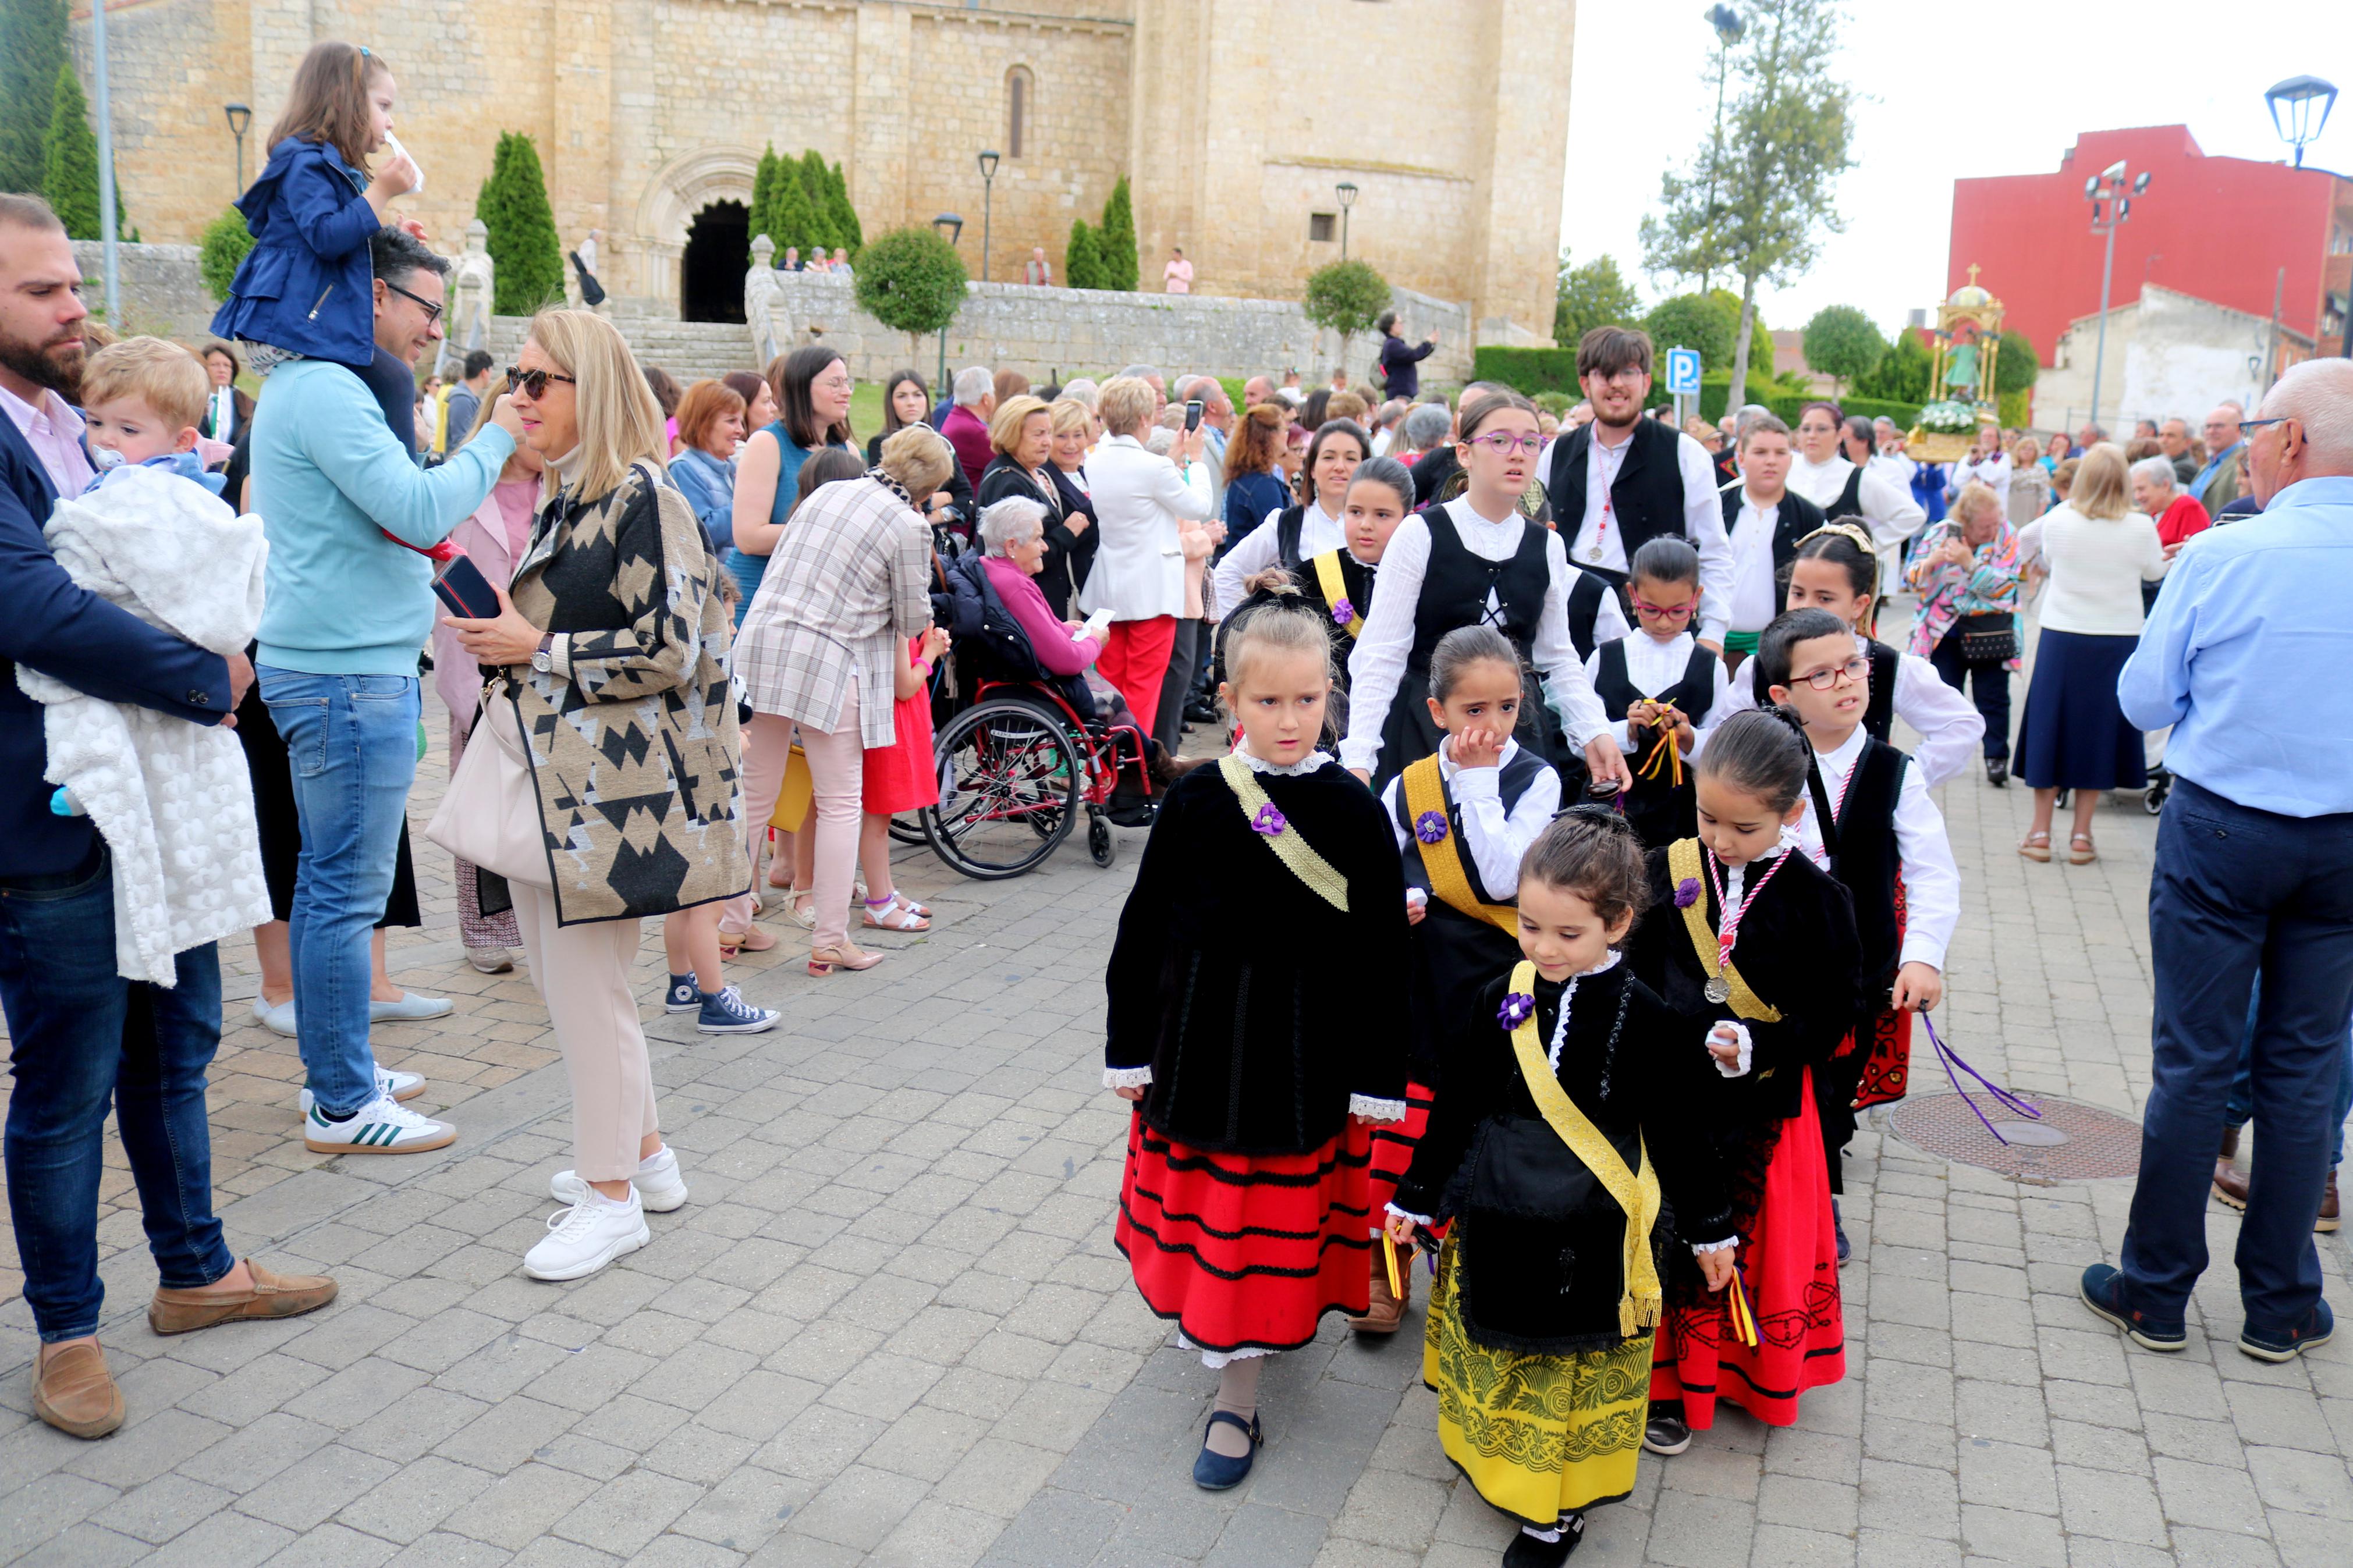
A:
x: 1393, y: 1145
x: 1788, y: 1260
x: 1242, y: 1251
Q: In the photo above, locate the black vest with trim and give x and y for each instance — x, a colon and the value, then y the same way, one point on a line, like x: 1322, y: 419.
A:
x: 1864, y: 859
x: 1584, y: 609
x: 1513, y: 778
x: 1646, y: 498
x: 1288, y: 524
x: 1794, y: 517
x: 1659, y: 810
x: 1850, y: 499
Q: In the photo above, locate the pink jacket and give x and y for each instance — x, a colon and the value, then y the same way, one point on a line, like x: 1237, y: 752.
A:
x: 455, y: 677
x: 1058, y: 653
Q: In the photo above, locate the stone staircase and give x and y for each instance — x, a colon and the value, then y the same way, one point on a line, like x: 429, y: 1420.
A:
x: 690, y: 351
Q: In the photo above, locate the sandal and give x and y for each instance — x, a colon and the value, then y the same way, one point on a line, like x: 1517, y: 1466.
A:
x: 824, y: 961
x: 2037, y: 847
x: 753, y: 940
x: 894, y: 916
x: 908, y: 904
x: 2079, y: 849
x: 801, y: 907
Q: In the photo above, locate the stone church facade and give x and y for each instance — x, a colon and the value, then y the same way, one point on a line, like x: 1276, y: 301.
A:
x: 1236, y: 120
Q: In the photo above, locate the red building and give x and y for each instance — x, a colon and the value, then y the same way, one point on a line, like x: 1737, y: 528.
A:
x: 2218, y: 229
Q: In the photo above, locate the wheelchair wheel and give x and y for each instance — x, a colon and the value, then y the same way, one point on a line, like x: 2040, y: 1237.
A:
x: 1100, y: 843
x: 2159, y: 787
x: 906, y: 830
x: 1009, y: 781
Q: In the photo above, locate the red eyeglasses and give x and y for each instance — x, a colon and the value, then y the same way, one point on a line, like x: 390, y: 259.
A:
x: 1677, y: 612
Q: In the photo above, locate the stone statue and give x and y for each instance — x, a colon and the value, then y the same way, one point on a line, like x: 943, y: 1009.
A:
x: 470, y: 293
x: 763, y: 303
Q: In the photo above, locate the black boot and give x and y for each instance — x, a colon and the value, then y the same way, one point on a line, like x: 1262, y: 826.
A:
x: 1998, y: 771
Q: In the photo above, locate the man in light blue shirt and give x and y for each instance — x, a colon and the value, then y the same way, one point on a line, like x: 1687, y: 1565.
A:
x: 2245, y: 657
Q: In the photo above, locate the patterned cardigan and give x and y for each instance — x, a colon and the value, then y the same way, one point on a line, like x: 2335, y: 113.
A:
x: 633, y: 732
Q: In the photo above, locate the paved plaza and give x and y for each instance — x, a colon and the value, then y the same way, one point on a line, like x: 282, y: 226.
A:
x: 890, y: 1327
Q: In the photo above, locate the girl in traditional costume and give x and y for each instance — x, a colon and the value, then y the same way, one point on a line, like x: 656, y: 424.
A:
x: 1259, y: 1007
x: 1755, y: 948
x: 1664, y: 687
x: 1568, y: 1079
x: 1463, y: 817
x: 1339, y: 581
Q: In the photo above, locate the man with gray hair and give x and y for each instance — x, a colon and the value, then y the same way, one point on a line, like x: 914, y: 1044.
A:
x: 2253, y: 869
x: 2173, y: 439
x: 2216, y: 485
x: 1425, y: 430
x: 966, y: 424
x: 1151, y: 376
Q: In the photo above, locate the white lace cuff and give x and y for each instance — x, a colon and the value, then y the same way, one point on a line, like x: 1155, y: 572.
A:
x: 1417, y: 1218
x: 1126, y: 1078
x: 1698, y: 1247
x: 1373, y: 1110
x: 1740, y: 1068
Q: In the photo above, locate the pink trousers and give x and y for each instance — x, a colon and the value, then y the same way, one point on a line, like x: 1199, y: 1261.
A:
x: 837, y: 764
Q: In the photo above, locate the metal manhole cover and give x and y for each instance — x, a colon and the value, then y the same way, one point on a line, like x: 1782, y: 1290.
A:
x: 2070, y: 1142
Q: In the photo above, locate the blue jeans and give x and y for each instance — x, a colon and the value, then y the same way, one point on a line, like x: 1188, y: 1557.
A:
x: 2241, y: 1106
x: 80, y: 1035
x: 351, y: 741
x: 2236, y: 888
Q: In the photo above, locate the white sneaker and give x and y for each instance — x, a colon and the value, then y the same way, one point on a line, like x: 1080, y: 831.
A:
x: 491, y: 960
x: 659, y: 1185
x: 586, y: 1237
x: 384, y: 1126
x: 389, y: 1085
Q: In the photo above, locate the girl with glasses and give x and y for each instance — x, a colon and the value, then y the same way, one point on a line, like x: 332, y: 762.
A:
x: 1664, y: 686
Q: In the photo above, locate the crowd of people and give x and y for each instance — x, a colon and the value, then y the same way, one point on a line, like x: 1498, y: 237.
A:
x: 1555, y: 825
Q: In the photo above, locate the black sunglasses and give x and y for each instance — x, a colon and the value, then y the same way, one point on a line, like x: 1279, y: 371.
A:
x: 432, y: 311
x: 534, y: 382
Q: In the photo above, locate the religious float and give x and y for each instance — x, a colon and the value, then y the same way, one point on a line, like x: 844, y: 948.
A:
x: 1961, y: 392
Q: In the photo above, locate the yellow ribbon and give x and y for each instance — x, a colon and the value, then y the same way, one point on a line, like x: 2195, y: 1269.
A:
x: 1425, y: 795
x: 1744, y: 1317
x: 1637, y: 1193
x: 1666, y: 758
x: 1322, y: 878
x: 1683, y: 866
x: 1335, y: 590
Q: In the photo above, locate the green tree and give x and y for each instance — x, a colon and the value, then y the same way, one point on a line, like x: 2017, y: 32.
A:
x: 847, y: 230
x: 911, y: 279
x: 226, y: 242
x: 1345, y: 296
x: 32, y: 51
x: 1902, y: 374
x: 766, y: 182
x: 1758, y: 203
x: 820, y: 186
x: 527, y: 257
x: 70, y: 172
x: 1841, y: 343
x: 1116, y: 242
x: 1590, y: 296
x: 1709, y: 323
x: 1082, y: 260
x: 796, y: 213
x: 2017, y: 365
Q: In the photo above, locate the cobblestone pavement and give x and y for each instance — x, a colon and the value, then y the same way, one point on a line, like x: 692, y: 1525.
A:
x: 890, y: 1327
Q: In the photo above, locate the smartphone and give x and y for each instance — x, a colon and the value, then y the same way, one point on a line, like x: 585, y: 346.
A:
x: 1193, y: 414
x: 461, y: 586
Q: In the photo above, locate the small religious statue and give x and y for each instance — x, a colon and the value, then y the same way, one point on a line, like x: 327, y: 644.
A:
x: 1961, y: 363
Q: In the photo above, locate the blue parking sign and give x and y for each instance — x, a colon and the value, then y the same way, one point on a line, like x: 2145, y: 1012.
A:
x: 1683, y: 372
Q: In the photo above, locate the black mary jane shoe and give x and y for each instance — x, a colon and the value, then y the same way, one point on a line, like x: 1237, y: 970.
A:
x: 1527, y: 1552
x: 1216, y: 1472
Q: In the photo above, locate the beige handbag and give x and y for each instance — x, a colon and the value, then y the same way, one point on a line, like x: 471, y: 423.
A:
x: 490, y: 813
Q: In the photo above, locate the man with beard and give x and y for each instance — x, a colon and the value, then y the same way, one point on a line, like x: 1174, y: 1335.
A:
x: 1622, y: 480
x: 80, y: 1035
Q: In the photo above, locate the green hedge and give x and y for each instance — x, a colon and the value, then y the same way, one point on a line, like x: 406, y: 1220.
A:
x: 1527, y: 370
x: 1533, y: 371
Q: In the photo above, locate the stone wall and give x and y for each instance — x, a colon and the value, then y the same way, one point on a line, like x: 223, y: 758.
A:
x: 163, y: 290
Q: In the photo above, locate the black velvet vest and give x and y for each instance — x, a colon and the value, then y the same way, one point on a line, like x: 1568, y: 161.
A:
x: 1659, y: 810
x: 1864, y: 859
x: 1794, y: 517
x: 1646, y: 497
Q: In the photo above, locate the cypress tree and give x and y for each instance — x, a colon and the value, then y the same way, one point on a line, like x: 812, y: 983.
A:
x: 1081, y: 261
x: 795, y: 215
x: 762, y: 216
x: 1116, y: 241
x: 820, y: 186
x: 70, y: 172
x: 513, y: 206
x: 847, y: 229
x: 32, y: 50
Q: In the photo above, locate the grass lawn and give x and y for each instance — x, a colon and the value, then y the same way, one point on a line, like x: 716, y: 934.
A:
x: 866, y: 410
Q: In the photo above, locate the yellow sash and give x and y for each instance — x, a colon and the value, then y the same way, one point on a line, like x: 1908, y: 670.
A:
x: 1635, y: 1191
x: 1335, y: 590
x: 1321, y: 876
x: 1683, y: 866
x: 1425, y: 795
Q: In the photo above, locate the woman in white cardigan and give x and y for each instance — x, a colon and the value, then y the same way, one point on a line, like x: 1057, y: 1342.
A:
x: 1139, y: 570
x: 2073, y: 734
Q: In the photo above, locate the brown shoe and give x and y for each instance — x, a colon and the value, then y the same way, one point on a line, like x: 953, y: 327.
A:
x: 1386, y: 1310
x: 73, y: 1391
x: 2328, y: 1220
x: 272, y: 1296
x: 2229, y: 1184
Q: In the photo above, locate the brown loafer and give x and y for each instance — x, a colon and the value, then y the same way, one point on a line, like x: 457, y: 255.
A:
x: 2328, y: 1219
x: 272, y: 1296
x: 2230, y: 1184
x: 73, y: 1391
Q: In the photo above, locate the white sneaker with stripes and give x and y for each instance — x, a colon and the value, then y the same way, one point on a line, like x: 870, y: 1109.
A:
x: 384, y: 1126
x: 389, y: 1085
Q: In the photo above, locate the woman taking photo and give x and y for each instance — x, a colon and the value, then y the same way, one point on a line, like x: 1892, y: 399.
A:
x: 1967, y: 576
x: 710, y: 429
x: 1297, y: 533
x: 1021, y: 434
x: 1139, y: 570
x: 2074, y: 735
x: 850, y: 584
x: 611, y: 684
x: 812, y: 387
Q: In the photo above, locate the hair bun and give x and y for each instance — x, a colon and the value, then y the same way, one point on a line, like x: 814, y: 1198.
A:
x: 1607, y: 818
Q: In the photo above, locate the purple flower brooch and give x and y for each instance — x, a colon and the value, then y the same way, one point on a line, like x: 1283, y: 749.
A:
x: 1269, y: 820
x: 1686, y: 892
x: 1517, y: 1008
x: 1344, y: 612
x: 1430, y: 827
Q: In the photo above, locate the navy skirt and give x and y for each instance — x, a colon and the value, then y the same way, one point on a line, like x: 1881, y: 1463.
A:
x: 2073, y: 734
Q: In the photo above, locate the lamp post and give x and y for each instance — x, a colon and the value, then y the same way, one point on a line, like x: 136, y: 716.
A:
x: 988, y: 207
x: 2300, y: 107
x: 1729, y: 28
x: 240, y: 118
x: 1347, y: 191
x: 950, y: 229
x: 106, y: 209
x: 2110, y: 192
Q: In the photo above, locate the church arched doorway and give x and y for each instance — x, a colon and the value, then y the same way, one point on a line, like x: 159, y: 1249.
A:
x: 710, y: 273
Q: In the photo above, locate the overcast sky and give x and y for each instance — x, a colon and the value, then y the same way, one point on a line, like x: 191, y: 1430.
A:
x: 2008, y: 104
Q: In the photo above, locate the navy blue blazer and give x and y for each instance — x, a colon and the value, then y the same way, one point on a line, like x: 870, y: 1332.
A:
x: 65, y: 631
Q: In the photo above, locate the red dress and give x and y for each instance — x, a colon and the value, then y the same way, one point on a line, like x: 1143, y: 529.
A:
x: 902, y: 775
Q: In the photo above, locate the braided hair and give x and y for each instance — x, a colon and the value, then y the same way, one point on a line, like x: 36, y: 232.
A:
x: 1763, y: 751
x: 1595, y: 853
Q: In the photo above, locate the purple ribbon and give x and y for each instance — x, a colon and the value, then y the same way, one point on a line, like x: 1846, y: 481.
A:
x: 1344, y: 612
x: 1517, y: 1006
x: 1950, y: 1058
x: 1430, y: 827
x: 1686, y: 892
x: 1270, y: 820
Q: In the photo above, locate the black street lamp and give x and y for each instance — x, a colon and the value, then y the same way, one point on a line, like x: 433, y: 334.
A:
x: 240, y: 118
x: 1347, y: 191
x: 950, y: 229
x: 2305, y: 101
x: 987, y: 204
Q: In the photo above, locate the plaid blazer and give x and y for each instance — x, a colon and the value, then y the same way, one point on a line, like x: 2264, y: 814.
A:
x: 849, y: 579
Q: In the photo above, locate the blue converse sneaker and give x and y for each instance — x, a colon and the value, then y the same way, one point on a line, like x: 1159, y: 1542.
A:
x: 682, y: 996
x: 725, y: 1011
x: 389, y: 1085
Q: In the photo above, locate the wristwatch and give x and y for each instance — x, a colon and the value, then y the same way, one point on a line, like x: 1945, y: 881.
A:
x: 544, y: 659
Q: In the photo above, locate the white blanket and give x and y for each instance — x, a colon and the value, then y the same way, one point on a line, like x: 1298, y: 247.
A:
x: 171, y: 798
